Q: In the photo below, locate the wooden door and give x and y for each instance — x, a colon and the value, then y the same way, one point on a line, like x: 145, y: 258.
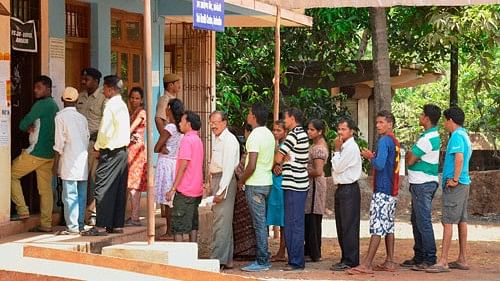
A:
x: 25, y: 67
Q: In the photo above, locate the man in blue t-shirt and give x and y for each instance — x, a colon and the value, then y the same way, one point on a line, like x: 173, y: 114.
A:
x: 456, y: 183
x: 385, y: 164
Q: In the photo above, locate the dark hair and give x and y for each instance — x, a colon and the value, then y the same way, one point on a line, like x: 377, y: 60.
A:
x: 295, y: 113
x: 45, y: 80
x: 389, y: 117
x: 261, y: 113
x: 348, y: 121
x: 456, y: 115
x: 194, y: 119
x: 113, y: 81
x: 280, y: 123
x: 318, y: 124
x: 433, y: 112
x: 137, y: 89
x: 177, y: 108
x: 247, y: 127
x: 222, y: 114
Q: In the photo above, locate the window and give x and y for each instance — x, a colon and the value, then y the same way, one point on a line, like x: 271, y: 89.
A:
x: 127, y: 47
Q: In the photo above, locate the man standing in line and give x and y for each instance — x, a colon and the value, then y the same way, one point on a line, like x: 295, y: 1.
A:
x: 294, y: 155
x: 91, y: 105
x: 423, y: 162
x: 346, y: 171
x: 257, y: 180
x: 40, y: 159
x: 70, y: 161
x: 385, y: 164
x: 112, y: 171
x: 456, y: 182
x: 225, y: 159
x: 187, y: 188
x: 172, y: 88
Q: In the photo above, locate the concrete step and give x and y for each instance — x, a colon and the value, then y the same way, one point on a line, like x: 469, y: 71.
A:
x: 181, y: 254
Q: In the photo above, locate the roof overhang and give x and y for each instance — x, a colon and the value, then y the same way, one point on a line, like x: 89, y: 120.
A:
x: 238, y: 13
x: 305, y: 4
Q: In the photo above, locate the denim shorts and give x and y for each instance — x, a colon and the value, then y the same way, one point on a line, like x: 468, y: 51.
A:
x: 382, y: 214
x: 455, y: 204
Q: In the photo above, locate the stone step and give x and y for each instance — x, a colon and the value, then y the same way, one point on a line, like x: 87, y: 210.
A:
x: 181, y: 254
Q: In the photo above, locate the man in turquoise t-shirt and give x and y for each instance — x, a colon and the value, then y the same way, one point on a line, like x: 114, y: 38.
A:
x: 456, y: 183
x: 39, y: 159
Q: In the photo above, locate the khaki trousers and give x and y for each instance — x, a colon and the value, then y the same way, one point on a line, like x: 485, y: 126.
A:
x: 93, y: 161
x: 23, y: 165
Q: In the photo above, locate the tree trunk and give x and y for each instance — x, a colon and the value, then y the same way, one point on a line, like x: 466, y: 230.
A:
x: 381, y: 64
x: 453, y: 75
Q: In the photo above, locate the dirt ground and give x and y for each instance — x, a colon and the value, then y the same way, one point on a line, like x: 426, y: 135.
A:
x: 484, y: 259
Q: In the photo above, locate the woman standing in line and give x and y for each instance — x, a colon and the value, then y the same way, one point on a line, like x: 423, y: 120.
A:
x: 167, y: 147
x: 316, y: 196
x: 276, y: 199
x: 137, y: 163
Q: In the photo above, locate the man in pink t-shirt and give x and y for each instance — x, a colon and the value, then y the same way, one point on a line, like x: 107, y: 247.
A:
x: 188, y: 183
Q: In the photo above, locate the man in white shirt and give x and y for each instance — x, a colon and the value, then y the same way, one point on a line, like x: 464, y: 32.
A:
x: 70, y: 161
x: 346, y: 170
x: 112, y: 171
x: 225, y: 159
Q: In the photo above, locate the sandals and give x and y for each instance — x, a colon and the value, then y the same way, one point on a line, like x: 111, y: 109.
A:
x: 41, y: 229
x: 437, y: 269
x: 114, y: 230
x: 93, y: 232
x: 385, y: 267
x: 340, y: 267
x: 457, y: 265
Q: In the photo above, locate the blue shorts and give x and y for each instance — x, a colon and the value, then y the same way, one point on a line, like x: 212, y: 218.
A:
x: 382, y: 214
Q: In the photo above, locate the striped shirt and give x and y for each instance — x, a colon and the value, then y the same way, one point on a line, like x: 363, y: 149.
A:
x: 296, y: 145
x: 427, y: 150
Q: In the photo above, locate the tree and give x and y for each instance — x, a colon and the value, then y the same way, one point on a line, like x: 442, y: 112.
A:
x: 381, y: 63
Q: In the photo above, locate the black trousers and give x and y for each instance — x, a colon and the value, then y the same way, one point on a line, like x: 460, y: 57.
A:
x: 110, y: 187
x: 347, y: 216
x: 312, y: 235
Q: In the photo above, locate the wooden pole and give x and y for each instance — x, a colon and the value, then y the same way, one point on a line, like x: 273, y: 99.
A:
x: 148, y: 84
x: 277, y: 62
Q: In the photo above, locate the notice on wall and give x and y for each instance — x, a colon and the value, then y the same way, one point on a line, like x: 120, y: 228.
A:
x: 4, y: 84
x: 4, y: 132
x: 155, y: 78
x: 57, y: 68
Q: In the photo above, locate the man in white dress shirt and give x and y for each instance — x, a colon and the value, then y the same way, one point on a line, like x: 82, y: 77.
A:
x: 225, y: 158
x: 346, y: 170
x: 70, y: 161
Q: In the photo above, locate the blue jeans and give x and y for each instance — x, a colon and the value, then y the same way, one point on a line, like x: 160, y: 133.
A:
x: 421, y: 221
x: 295, y: 203
x: 256, y: 199
x: 74, y: 197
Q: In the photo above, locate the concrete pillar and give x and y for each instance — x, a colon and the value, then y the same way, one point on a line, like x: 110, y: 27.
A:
x: 363, y: 118
x: 100, y: 49
x: 5, y: 119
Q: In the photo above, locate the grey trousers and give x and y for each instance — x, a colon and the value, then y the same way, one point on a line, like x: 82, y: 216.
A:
x: 222, y: 231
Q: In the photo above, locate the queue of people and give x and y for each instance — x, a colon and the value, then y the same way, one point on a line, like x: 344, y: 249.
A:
x: 96, y: 146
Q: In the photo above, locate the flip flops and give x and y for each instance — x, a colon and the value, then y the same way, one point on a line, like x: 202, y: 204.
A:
x: 384, y: 267
x: 437, y: 269
x: 357, y: 270
x: 457, y: 265
x: 93, y: 232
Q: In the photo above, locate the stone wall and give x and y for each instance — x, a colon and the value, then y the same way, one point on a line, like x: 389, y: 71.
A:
x: 484, y: 196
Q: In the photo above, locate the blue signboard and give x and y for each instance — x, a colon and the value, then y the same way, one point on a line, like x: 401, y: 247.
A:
x: 208, y: 14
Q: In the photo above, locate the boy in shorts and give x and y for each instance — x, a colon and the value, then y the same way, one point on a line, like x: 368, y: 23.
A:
x: 385, y: 162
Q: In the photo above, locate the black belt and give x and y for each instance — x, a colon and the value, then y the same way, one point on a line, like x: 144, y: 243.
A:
x: 107, y: 150
x: 347, y: 184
